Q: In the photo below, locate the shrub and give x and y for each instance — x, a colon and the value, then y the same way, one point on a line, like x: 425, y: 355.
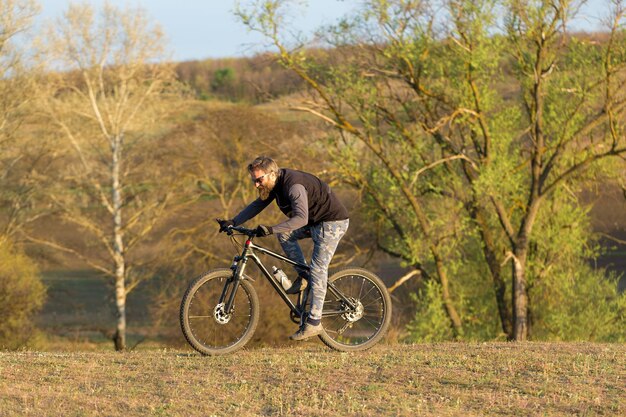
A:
x: 580, y: 304
x: 22, y: 295
x: 430, y: 323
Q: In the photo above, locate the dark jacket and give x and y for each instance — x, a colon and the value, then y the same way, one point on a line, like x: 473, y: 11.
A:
x: 302, y: 197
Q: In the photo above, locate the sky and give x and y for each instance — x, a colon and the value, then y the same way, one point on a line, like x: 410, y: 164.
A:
x: 199, y: 29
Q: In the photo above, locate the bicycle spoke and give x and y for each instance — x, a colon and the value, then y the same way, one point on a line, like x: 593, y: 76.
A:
x: 361, y: 320
x: 206, y: 324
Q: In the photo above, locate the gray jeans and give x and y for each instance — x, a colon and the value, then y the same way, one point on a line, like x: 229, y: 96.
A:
x: 326, y: 237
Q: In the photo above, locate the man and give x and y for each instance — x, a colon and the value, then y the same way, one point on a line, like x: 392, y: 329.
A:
x: 314, y: 212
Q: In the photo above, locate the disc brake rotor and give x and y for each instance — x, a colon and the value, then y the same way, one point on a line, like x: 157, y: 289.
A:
x: 354, y: 315
x: 220, y: 315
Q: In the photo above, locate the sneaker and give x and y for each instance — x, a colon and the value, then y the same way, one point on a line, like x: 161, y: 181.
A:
x: 306, y: 331
x: 298, y: 285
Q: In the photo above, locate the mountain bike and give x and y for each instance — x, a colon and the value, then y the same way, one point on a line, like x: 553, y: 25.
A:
x: 219, y: 311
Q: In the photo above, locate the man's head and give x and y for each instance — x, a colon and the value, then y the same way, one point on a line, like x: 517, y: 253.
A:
x: 263, y: 172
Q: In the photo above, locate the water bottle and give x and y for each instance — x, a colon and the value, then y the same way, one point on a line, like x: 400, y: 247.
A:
x: 281, y: 277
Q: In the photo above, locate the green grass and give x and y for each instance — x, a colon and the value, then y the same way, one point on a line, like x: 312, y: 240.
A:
x: 308, y: 379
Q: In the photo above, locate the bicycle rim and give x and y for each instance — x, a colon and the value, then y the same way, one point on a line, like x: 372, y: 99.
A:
x: 356, y: 329
x: 206, y: 325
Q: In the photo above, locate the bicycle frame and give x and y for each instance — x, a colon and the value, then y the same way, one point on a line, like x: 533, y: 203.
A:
x: 239, y: 266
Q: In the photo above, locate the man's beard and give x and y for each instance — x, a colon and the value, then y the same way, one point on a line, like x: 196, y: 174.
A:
x: 265, y: 190
x: 264, y: 193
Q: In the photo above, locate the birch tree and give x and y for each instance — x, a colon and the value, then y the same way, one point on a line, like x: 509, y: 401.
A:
x: 108, y: 89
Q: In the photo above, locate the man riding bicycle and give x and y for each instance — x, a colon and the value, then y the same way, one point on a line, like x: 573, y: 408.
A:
x: 314, y: 212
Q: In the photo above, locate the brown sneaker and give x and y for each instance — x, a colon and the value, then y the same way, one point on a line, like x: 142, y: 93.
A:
x: 306, y: 331
x: 298, y: 285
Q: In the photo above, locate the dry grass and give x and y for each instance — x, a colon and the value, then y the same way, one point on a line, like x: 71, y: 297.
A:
x: 428, y: 379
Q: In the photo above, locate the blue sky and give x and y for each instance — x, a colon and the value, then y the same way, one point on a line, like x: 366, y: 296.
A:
x: 198, y: 29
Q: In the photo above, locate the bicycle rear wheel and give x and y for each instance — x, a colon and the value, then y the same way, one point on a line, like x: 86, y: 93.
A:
x: 206, y: 325
x: 360, y: 328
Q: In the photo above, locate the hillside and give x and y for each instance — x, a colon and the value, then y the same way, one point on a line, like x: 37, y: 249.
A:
x: 450, y: 379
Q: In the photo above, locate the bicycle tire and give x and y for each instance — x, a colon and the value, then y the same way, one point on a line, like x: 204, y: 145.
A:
x: 207, y: 328
x: 359, y: 332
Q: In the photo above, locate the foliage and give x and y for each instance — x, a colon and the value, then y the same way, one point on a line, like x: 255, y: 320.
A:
x: 23, y: 158
x: 258, y: 79
x: 22, y: 295
x: 430, y: 323
x: 457, y: 132
x: 579, y: 304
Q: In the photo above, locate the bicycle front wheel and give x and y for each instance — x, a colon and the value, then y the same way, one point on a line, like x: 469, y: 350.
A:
x: 359, y: 327
x: 206, y: 325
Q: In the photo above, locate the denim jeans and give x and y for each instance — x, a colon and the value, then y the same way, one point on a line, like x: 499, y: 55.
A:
x: 326, y: 237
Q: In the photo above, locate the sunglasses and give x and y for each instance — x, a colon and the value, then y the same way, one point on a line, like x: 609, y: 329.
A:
x: 259, y: 180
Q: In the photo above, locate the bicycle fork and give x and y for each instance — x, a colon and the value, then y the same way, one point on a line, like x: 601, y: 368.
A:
x: 232, y: 284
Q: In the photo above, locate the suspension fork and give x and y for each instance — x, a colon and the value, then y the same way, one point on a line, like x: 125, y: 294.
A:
x: 239, y: 265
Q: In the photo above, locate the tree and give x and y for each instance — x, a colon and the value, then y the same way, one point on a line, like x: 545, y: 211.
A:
x: 446, y: 123
x: 22, y: 295
x: 117, y: 182
x: 22, y: 158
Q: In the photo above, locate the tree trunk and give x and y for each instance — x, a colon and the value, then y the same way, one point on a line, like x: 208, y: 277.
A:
x: 453, y: 315
x: 118, y: 247
x: 120, y: 303
x: 499, y: 286
x: 520, y: 297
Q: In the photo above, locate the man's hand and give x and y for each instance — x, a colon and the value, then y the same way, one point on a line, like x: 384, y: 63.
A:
x: 262, y: 230
x: 224, y: 224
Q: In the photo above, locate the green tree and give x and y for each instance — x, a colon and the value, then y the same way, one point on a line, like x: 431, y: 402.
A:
x: 223, y: 79
x: 458, y: 134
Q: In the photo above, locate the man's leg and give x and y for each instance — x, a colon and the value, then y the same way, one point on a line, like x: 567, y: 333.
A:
x: 289, y: 242
x: 326, y: 237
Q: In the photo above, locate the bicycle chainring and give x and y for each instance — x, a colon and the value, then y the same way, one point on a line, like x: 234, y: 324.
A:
x: 294, y: 317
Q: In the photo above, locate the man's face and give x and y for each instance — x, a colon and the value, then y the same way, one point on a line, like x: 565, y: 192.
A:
x: 264, y: 182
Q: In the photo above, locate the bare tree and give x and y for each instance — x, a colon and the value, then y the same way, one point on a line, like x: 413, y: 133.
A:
x: 21, y: 156
x: 108, y: 92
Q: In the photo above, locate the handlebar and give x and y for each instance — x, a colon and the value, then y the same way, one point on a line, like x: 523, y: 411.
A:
x: 241, y: 229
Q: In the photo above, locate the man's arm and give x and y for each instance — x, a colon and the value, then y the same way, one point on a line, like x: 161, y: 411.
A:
x: 299, y: 209
x: 252, y: 210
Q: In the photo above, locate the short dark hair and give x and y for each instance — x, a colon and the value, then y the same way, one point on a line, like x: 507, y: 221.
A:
x: 264, y: 163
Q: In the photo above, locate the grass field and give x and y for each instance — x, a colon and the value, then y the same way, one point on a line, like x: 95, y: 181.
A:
x: 308, y: 379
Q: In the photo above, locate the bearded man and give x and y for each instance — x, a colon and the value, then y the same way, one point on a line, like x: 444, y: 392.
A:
x: 313, y: 212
